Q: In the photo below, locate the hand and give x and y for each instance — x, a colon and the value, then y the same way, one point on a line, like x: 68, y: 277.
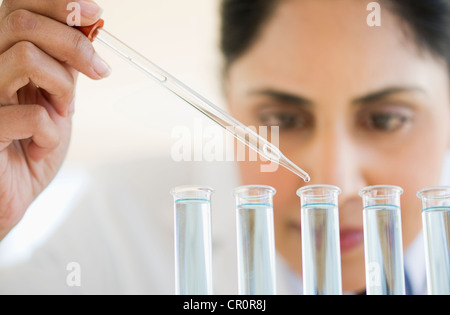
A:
x: 40, y: 57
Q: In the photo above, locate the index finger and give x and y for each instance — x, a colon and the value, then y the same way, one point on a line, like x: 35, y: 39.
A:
x: 65, y: 44
x: 71, y: 12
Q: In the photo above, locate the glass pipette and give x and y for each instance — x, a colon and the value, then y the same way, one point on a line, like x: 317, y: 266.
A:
x: 232, y: 125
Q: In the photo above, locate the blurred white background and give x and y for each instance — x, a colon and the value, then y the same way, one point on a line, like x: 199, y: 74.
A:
x: 129, y: 116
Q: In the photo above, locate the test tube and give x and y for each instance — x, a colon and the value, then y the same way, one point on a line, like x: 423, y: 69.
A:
x: 321, y: 255
x: 193, y: 248
x: 436, y: 227
x: 383, y: 246
x: 255, y: 240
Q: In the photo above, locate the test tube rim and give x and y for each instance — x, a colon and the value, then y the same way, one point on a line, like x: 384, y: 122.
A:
x: 422, y: 193
x: 175, y: 191
x: 238, y: 190
x: 304, y: 189
x: 397, y: 190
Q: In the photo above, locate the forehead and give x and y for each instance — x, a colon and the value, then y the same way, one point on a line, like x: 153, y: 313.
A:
x: 317, y: 43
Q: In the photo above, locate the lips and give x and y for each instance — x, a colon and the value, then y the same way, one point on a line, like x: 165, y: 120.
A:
x: 351, y: 239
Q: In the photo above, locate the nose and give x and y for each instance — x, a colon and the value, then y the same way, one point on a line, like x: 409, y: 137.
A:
x: 336, y: 160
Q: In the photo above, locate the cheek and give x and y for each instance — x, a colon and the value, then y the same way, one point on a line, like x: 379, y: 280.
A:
x: 415, y: 164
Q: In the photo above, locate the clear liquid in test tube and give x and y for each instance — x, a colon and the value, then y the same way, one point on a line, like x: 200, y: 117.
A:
x: 436, y: 228
x: 193, y: 242
x: 383, y: 246
x: 321, y: 256
x: 255, y: 240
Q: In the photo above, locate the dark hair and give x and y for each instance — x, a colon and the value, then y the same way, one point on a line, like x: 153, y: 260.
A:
x: 242, y: 21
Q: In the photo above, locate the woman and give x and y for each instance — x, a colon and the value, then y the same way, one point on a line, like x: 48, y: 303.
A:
x: 357, y: 105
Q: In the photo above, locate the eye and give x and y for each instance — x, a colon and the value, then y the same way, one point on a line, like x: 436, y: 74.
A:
x: 385, y: 122
x: 285, y: 119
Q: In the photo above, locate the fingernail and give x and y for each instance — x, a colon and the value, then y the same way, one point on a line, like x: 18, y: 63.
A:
x: 100, y: 66
x: 90, y: 9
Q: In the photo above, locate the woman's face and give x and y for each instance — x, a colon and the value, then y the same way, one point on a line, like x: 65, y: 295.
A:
x: 355, y: 105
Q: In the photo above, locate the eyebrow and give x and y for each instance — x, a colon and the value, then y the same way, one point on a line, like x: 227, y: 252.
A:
x: 384, y: 93
x: 371, y: 97
x: 283, y: 96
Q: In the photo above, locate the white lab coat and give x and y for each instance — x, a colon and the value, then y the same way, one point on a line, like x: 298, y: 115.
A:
x: 120, y: 236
